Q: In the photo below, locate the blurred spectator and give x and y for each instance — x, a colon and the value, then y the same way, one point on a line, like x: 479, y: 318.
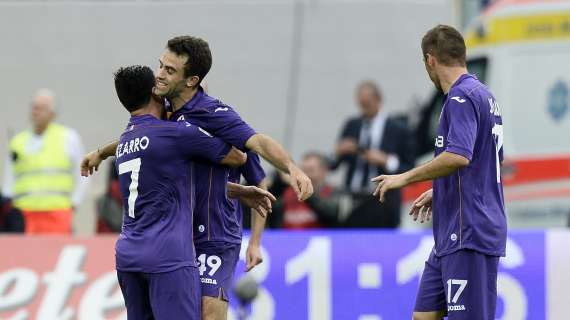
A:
x: 11, y: 219
x: 42, y: 172
x: 320, y: 210
x: 373, y: 144
x: 110, y: 205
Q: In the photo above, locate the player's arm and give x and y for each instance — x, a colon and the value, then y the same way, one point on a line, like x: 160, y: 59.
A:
x: 235, y: 158
x: 226, y: 124
x: 254, y: 197
x: 93, y: 159
x: 273, y: 152
x: 461, y: 135
x: 195, y: 142
x: 253, y: 252
x: 443, y: 165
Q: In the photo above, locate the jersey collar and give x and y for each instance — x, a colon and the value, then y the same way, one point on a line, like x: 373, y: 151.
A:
x: 461, y: 78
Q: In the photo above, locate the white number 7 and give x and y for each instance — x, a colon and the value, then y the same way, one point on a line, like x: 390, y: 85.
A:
x: 132, y: 166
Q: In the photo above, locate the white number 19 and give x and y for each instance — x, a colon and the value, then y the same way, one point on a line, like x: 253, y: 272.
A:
x: 132, y: 166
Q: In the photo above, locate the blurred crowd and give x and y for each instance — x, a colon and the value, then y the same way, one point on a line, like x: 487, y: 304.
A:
x: 42, y: 186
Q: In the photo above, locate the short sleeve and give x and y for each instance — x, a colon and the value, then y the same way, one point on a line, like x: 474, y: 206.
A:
x: 196, y: 142
x: 252, y: 170
x: 463, y: 125
x: 225, y: 123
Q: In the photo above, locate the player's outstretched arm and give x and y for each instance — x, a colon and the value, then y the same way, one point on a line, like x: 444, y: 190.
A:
x: 252, y: 196
x: 273, y: 152
x: 93, y: 159
x: 253, y: 255
x: 443, y: 165
x: 234, y: 158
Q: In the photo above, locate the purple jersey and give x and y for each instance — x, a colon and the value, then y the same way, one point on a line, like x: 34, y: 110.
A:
x: 253, y: 174
x: 216, y: 216
x: 468, y: 205
x: 153, y: 163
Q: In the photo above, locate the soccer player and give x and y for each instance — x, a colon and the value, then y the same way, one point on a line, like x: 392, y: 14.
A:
x: 217, y: 230
x: 469, y: 223
x: 182, y: 66
x: 154, y: 258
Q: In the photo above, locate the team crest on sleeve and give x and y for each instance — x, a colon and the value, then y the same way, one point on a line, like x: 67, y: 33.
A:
x: 181, y: 118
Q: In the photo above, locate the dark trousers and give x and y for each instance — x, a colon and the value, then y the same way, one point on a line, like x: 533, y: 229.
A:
x: 368, y: 212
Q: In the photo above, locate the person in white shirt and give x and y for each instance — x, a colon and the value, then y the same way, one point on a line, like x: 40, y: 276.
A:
x: 42, y: 173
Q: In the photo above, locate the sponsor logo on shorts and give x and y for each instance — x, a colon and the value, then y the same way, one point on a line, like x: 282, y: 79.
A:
x: 209, y: 281
x: 458, y: 307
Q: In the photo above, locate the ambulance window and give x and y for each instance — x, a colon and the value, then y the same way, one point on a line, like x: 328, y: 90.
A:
x: 478, y: 67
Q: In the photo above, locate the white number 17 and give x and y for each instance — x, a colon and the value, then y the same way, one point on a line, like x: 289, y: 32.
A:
x: 132, y: 166
x: 497, y: 131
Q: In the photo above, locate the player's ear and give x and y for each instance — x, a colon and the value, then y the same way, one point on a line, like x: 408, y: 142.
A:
x: 192, y: 81
x: 431, y: 60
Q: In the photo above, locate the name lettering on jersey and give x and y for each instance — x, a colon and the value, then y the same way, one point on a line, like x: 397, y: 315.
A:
x: 458, y: 99
x: 133, y: 145
x: 495, y: 109
x: 221, y: 109
x: 439, y: 141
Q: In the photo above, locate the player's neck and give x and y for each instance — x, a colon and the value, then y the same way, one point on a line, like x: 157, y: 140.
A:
x: 183, y: 98
x: 148, y: 109
x: 449, y: 75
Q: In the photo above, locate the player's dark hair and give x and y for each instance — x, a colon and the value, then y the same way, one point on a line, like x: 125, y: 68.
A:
x: 372, y: 86
x: 446, y: 44
x: 134, y: 86
x: 198, y: 52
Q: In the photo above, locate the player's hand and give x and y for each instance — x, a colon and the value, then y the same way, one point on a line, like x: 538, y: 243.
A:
x: 375, y: 157
x: 256, y: 198
x: 422, y: 207
x: 90, y: 163
x: 300, y: 183
x: 346, y: 146
x: 252, y: 256
x: 388, y: 182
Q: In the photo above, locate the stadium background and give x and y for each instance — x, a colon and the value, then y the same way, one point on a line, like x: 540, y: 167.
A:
x: 290, y: 68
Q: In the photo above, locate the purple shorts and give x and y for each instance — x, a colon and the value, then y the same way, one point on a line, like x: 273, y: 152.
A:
x: 168, y: 295
x: 217, y: 263
x: 463, y: 283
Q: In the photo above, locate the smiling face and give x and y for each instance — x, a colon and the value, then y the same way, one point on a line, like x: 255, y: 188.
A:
x: 170, y: 77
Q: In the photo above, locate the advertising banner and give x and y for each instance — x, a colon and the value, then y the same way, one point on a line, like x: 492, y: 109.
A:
x: 320, y: 275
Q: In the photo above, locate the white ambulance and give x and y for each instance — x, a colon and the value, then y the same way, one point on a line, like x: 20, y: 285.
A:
x: 521, y: 50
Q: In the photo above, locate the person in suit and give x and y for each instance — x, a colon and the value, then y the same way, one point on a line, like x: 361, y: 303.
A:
x: 372, y: 144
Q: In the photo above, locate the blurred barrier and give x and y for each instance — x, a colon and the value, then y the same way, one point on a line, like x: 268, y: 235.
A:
x: 363, y: 275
